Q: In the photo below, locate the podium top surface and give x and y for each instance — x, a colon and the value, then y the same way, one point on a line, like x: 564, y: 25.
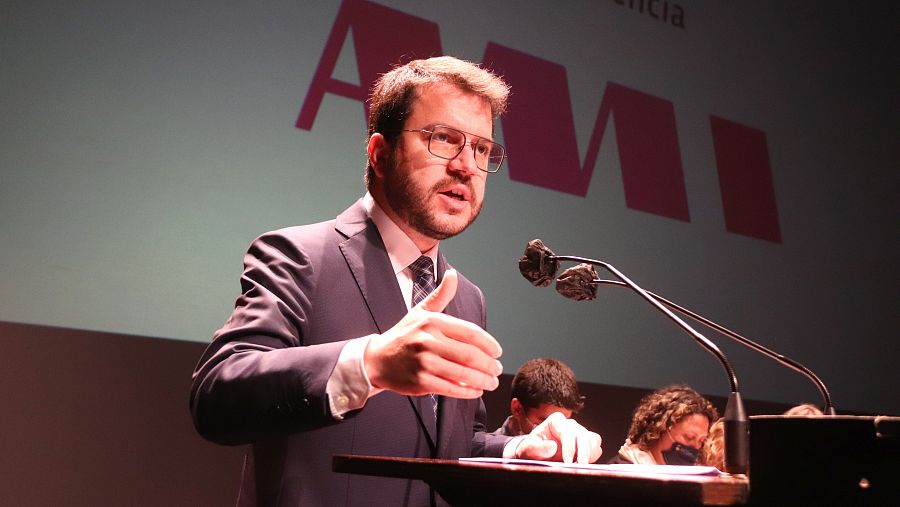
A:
x: 469, y: 483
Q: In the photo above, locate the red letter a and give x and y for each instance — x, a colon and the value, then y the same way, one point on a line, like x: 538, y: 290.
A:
x: 381, y: 37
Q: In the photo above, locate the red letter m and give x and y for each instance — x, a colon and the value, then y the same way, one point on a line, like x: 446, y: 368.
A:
x: 540, y: 131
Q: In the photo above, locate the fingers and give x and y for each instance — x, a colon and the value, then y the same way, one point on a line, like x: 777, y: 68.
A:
x: 443, y: 294
x: 458, y: 330
x: 452, y: 327
x: 431, y: 352
x: 444, y: 387
x: 585, y: 446
x: 589, y: 449
x: 561, y: 430
x: 462, y: 364
x: 410, y: 356
x: 475, y: 351
x: 575, y: 442
x: 533, y: 447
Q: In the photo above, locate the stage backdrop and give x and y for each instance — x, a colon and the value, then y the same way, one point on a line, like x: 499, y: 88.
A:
x: 739, y: 158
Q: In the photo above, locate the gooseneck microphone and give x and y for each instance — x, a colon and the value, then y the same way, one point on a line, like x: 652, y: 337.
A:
x: 539, y: 265
x: 573, y: 283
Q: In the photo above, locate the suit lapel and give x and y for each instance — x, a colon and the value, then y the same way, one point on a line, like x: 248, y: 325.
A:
x: 446, y: 405
x: 367, y: 259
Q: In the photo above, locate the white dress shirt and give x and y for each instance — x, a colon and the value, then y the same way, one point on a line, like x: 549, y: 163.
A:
x: 349, y: 387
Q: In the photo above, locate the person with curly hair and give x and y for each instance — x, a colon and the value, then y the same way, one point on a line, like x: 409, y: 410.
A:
x: 712, y: 453
x: 668, y: 427
x: 804, y: 409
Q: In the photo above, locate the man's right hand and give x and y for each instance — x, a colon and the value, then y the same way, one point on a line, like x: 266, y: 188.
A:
x: 430, y: 352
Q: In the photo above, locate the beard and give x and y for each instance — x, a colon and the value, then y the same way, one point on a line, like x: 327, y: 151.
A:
x: 412, y: 203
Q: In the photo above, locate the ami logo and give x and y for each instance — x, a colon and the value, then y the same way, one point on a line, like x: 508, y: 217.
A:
x: 644, y: 125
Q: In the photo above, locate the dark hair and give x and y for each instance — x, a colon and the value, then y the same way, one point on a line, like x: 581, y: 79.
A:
x: 658, y: 411
x: 393, y: 93
x: 547, y: 381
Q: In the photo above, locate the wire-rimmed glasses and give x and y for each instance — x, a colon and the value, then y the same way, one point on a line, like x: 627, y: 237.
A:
x: 447, y: 143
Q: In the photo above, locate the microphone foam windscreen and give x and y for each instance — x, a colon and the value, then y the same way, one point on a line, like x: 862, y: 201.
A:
x: 536, y: 265
x: 576, y: 283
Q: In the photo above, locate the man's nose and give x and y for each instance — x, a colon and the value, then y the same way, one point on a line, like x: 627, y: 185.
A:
x: 465, y: 161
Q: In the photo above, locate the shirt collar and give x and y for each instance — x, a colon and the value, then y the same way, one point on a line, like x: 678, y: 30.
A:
x: 401, y: 250
x: 635, y: 454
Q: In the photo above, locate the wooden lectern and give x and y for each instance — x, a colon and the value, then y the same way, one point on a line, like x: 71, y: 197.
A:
x: 824, y: 460
x: 464, y: 483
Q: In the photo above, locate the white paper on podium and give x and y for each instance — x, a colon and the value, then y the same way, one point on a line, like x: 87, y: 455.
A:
x: 628, y: 468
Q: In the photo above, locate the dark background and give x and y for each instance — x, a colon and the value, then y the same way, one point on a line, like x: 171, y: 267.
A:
x: 102, y: 419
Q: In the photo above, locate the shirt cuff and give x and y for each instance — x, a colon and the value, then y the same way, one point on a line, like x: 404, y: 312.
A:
x: 509, y: 450
x: 349, y: 387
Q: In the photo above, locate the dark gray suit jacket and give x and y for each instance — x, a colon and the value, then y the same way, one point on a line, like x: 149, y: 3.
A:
x: 305, y: 291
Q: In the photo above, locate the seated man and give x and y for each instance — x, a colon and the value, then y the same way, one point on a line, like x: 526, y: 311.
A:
x: 540, y: 388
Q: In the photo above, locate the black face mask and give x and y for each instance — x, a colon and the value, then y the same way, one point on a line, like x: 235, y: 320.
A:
x: 680, y: 454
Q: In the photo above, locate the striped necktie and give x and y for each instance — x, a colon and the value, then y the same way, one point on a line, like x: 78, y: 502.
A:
x: 423, y: 285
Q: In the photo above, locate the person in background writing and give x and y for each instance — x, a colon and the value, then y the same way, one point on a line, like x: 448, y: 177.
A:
x: 540, y: 388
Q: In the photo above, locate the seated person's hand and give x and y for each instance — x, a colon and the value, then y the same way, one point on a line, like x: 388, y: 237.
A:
x: 560, y: 439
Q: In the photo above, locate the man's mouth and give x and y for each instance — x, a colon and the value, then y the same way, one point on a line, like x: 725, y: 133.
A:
x: 456, y: 191
x: 454, y: 195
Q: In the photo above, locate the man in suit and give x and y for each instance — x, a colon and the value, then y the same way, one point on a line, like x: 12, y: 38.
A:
x: 355, y: 335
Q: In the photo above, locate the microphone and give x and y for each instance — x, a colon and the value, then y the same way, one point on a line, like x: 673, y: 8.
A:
x: 578, y: 283
x: 538, y: 265
x: 579, y: 291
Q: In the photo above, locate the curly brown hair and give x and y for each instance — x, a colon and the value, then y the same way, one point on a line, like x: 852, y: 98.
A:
x: 804, y: 409
x: 712, y: 453
x: 658, y: 411
x: 392, y: 95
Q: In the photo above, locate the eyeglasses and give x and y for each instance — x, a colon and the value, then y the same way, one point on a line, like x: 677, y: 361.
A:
x: 447, y: 143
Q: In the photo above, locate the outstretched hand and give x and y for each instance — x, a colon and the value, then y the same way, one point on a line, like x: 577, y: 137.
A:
x: 430, y: 352
x: 560, y: 439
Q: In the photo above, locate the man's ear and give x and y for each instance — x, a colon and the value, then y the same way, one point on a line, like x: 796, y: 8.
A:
x: 378, y: 152
x: 516, y: 408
